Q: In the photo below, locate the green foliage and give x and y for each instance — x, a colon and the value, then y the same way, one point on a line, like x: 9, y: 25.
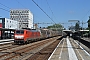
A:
x: 77, y: 27
x: 55, y: 27
x: 89, y: 24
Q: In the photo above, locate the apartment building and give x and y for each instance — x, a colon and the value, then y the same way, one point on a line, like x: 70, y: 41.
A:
x: 23, y: 16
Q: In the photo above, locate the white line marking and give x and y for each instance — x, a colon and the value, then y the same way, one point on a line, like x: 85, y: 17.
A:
x: 72, y: 55
x: 79, y: 53
x: 83, y: 49
x: 55, y: 50
x: 61, y: 49
x: 6, y: 40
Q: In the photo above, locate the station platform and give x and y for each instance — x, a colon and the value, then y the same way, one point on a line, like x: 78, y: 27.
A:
x: 69, y: 49
x: 4, y: 41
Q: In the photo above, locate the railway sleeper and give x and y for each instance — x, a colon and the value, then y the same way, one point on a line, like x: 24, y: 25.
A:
x: 44, y: 53
x: 6, y: 52
x: 20, y: 53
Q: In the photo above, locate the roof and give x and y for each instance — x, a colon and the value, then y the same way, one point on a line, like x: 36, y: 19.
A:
x: 83, y: 30
x: 66, y: 30
x: 5, y: 29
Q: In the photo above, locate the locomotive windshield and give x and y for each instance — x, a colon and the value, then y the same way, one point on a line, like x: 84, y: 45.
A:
x: 19, y: 32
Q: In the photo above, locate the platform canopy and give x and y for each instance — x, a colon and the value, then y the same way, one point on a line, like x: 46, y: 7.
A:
x: 67, y: 30
x: 84, y: 30
x: 5, y: 29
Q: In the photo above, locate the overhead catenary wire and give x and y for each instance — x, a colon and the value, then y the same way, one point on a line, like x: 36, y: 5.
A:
x: 83, y: 17
x: 50, y: 9
x: 20, y: 4
x: 43, y: 11
x: 4, y: 5
x: 85, y: 14
x: 49, y: 6
x: 5, y: 9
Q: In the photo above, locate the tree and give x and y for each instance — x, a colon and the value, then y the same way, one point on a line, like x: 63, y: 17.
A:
x: 55, y: 27
x: 89, y: 23
x: 77, y: 27
x: 72, y: 28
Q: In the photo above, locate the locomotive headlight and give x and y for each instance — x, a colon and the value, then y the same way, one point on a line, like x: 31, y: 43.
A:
x: 19, y: 36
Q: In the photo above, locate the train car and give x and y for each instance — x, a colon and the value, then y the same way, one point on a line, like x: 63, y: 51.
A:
x: 25, y: 36
x: 45, y: 33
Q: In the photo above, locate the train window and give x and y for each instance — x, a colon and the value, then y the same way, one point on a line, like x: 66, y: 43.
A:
x: 19, y: 32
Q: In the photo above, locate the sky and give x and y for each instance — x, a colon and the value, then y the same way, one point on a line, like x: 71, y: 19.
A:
x: 58, y: 11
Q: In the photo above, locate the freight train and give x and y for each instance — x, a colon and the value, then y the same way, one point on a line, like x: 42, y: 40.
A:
x: 26, y: 36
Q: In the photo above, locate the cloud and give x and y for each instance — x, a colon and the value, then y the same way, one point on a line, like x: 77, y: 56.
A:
x: 71, y: 12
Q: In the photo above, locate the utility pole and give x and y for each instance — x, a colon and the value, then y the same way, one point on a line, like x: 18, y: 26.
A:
x: 82, y: 28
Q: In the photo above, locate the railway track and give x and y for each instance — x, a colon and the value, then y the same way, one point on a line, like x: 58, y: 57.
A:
x: 10, y: 46
x: 18, y: 53
x: 44, y: 53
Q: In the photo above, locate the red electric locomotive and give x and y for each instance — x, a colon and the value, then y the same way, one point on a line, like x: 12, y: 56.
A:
x: 30, y: 35
x: 25, y: 36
